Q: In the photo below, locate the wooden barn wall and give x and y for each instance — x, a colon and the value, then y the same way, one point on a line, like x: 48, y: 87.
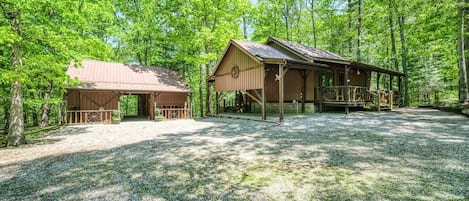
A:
x: 95, y: 100
x: 250, y: 72
x: 73, y: 100
x: 293, y: 85
x: 171, y: 99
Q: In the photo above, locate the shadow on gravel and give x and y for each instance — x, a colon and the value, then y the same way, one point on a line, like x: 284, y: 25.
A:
x: 325, y: 157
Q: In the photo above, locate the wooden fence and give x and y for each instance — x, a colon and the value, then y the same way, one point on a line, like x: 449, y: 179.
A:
x: 88, y: 116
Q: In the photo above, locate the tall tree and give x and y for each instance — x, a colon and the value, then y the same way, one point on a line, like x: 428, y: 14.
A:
x: 463, y: 77
x: 395, y: 65
x: 313, y: 24
x: 401, y: 23
x: 359, y: 29
x: 16, y: 127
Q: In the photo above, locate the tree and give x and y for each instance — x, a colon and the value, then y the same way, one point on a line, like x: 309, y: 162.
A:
x: 16, y: 127
x: 462, y: 42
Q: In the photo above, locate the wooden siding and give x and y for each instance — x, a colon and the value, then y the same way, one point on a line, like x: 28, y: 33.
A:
x: 355, y: 79
x: 73, y: 100
x: 171, y: 99
x: 95, y: 100
x: 250, y: 72
x: 293, y: 85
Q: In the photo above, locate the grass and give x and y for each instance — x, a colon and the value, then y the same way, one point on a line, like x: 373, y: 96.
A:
x: 409, y: 155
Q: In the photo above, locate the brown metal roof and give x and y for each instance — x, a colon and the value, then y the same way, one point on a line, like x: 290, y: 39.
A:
x: 306, y: 51
x: 262, y: 51
x: 100, y: 75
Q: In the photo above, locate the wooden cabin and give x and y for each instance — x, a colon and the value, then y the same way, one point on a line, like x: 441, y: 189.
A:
x: 101, y: 84
x: 278, y: 74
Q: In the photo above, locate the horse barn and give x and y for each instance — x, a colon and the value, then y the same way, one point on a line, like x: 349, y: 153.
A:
x: 280, y: 76
x: 103, y: 83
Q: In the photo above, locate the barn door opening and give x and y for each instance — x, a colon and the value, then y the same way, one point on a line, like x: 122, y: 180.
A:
x: 134, y: 105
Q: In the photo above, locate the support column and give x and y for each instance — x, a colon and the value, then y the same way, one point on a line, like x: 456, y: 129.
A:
x: 391, y: 92
x: 320, y: 91
x: 280, y: 92
x: 379, y: 93
x: 303, y: 93
x: 264, y: 112
x: 347, y: 89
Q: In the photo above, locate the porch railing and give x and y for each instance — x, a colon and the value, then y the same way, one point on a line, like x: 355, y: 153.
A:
x: 89, y: 116
x: 337, y: 94
x: 175, y: 113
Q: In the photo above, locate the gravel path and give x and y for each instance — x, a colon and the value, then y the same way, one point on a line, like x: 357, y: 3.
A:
x: 408, y: 154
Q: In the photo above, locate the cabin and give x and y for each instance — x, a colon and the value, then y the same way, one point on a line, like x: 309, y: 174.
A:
x: 161, y: 92
x: 280, y: 75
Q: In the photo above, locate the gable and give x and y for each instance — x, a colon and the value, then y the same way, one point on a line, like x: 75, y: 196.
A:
x: 250, y: 71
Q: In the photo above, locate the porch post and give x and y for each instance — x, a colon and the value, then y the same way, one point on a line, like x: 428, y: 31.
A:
x: 303, y: 93
x: 391, y: 92
x: 379, y: 93
x: 320, y: 91
x: 264, y: 113
x: 280, y: 92
x: 346, y: 91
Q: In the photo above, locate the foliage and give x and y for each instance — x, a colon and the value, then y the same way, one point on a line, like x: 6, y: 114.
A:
x: 190, y: 35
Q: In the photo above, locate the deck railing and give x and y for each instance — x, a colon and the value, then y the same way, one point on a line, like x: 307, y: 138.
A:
x: 175, y: 113
x: 359, y: 94
x: 89, y: 116
x: 337, y: 94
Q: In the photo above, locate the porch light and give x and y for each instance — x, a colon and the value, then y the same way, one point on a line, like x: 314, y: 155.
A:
x: 358, y: 71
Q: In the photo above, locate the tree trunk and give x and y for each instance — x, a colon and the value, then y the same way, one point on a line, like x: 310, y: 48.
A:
x: 393, y: 39
x: 16, y: 128
x: 6, y: 108
x: 245, y: 28
x: 313, y: 22
x: 286, y: 18
x: 35, y: 117
x: 350, y: 8
x: 207, y: 89
x: 201, y: 92
x: 359, y: 30
x: 463, y: 77
x: 404, y: 59
x: 45, y: 108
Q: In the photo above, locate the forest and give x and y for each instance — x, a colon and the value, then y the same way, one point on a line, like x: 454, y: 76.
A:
x: 427, y: 40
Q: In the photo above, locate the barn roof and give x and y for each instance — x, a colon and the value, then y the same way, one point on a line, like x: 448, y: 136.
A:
x: 262, y: 51
x: 306, y: 52
x: 100, y: 75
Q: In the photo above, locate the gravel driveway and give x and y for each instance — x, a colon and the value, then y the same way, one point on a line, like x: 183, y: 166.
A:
x: 408, y: 154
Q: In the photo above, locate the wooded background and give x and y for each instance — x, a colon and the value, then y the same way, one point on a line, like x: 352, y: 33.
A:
x: 427, y: 40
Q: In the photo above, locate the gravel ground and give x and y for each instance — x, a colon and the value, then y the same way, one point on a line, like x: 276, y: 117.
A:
x: 408, y: 154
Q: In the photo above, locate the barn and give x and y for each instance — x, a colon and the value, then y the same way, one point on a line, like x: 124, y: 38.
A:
x: 280, y: 74
x: 101, y: 84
